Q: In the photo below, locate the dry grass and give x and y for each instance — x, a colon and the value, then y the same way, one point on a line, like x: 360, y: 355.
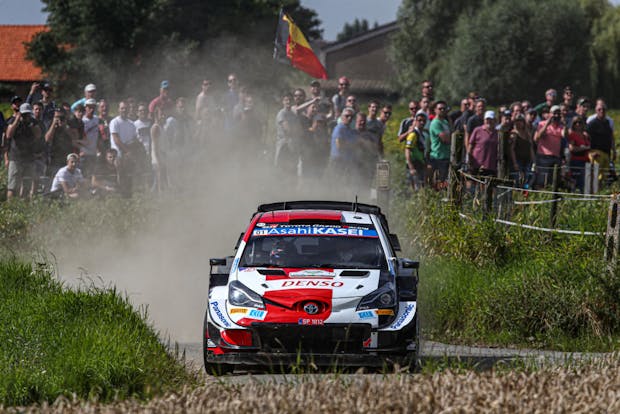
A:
x: 586, y: 388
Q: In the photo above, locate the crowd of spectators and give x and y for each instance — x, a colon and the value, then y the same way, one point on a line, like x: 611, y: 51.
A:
x: 73, y: 150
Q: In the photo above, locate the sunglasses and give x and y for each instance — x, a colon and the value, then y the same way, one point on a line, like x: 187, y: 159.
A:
x: 348, y: 116
x: 343, y: 84
x: 412, y: 108
x: 441, y: 108
x: 387, y: 112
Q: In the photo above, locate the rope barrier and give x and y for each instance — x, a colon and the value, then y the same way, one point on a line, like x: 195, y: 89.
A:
x: 529, y: 190
x: 524, y: 203
x: 527, y: 226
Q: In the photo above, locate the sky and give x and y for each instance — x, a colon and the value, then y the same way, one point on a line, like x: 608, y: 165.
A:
x: 333, y: 13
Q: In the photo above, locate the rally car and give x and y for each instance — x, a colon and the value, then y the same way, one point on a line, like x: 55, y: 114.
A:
x: 312, y: 282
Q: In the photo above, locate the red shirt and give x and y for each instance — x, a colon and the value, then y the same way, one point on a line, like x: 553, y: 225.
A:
x: 550, y: 143
x: 578, y: 139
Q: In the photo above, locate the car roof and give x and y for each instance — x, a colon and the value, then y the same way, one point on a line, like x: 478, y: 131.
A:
x: 288, y: 216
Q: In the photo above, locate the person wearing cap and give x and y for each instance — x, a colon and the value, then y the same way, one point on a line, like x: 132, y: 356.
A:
x: 548, y: 139
x: 47, y: 104
x: 163, y: 100
x: 339, y: 99
x: 21, y: 134
x: 90, y: 92
x: 69, y: 180
x: 482, y: 147
x: 90, y: 144
x: 59, y: 139
x: 521, y: 151
x: 325, y: 105
x: 550, y: 98
x: 440, y: 139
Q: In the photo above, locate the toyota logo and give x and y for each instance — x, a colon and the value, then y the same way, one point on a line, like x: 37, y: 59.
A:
x: 311, y: 308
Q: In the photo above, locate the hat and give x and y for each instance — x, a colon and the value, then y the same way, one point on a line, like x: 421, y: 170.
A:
x: 73, y: 155
x: 90, y: 101
x: 343, y: 79
x: 422, y: 113
x: 554, y: 108
x: 46, y: 86
x: 90, y: 87
x: 507, y: 112
x: 164, y: 84
x: 315, y: 83
x: 583, y: 101
x: 568, y: 89
x: 16, y: 99
x: 25, y: 108
x: 489, y: 115
x: 520, y: 117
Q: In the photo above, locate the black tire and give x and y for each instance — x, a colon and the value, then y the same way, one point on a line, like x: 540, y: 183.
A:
x: 212, y: 368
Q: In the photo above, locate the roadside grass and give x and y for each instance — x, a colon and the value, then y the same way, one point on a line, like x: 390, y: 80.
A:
x: 88, y: 342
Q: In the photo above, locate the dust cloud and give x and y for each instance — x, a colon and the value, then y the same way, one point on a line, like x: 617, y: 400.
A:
x: 217, y: 184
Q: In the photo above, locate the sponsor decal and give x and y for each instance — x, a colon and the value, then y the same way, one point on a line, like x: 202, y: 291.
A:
x: 235, y: 265
x: 366, y: 314
x: 257, y: 314
x: 311, y: 308
x: 260, y: 224
x: 312, y: 273
x: 304, y: 321
x: 367, y: 343
x: 237, y: 310
x: 246, y: 269
x: 312, y: 283
x: 385, y: 312
x: 215, y: 306
x: 281, y: 230
x: 403, y: 317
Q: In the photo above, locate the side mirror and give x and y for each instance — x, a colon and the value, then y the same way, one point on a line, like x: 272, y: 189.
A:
x: 410, y: 264
x: 394, y: 242
x: 217, y: 262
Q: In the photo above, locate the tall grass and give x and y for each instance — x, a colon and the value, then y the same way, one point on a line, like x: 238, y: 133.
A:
x: 89, y: 342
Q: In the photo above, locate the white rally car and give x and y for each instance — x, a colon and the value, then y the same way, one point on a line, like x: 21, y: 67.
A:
x: 312, y: 282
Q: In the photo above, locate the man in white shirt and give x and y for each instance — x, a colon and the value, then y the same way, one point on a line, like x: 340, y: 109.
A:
x: 89, y: 146
x: 68, y: 180
x: 124, y: 140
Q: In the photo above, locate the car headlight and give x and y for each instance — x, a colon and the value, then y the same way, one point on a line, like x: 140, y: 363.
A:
x: 241, y: 295
x: 384, y: 297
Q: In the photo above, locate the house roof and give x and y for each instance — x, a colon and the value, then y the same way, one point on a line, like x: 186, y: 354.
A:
x: 14, y: 67
x: 377, y: 31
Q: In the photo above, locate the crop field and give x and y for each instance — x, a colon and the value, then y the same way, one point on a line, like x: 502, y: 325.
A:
x: 591, y: 387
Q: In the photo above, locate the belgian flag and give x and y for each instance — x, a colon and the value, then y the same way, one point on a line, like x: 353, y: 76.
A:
x: 293, y: 48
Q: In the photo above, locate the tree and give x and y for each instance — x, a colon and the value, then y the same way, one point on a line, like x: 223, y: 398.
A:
x: 511, y: 50
x: 358, y: 27
x: 118, y: 43
x: 426, y: 28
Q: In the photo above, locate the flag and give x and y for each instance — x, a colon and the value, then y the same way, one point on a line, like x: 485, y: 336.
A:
x: 293, y: 48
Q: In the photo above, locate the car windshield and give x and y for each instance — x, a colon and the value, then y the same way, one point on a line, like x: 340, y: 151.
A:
x: 307, y: 250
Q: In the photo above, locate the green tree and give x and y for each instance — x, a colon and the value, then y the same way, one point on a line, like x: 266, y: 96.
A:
x: 118, y: 43
x: 350, y: 30
x: 605, y: 68
x: 510, y: 50
x: 426, y: 28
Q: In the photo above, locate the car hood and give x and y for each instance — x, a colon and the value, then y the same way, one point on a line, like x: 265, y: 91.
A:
x: 291, y: 283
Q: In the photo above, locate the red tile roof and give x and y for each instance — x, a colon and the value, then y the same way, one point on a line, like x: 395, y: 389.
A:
x: 14, y: 67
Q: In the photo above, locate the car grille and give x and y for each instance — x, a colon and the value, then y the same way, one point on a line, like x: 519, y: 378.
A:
x: 323, y: 339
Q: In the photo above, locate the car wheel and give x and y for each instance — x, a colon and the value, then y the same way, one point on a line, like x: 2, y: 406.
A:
x: 212, y: 368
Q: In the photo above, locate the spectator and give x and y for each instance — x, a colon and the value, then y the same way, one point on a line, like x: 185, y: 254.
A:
x: 595, y: 114
x: 516, y: 109
x: 440, y: 142
x: 132, y: 110
x: 204, y: 98
x: 249, y: 127
x: 16, y: 102
x: 76, y: 126
x: 550, y: 97
x: 68, y: 181
x: 504, y: 136
x: 339, y: 99
x: 567, y: 99
x: 548, y: 138
x: 124, y: 141
x: 476, y: 120
x: 179, y: 126
x: 90, y: 92
x: 143, y: 128
x: 375, y: 126
x: 22, y: 134
x: 407, y: 124
x: 601, y: 133
x: 105, y: 177
x: 427, y: 90
x: 367, y: 152
x: 579, y: 146
x: 386, y: 114
x: 104, y: 123
x: 231, y: 98
x: 90, y: 144
x: 47, y: 104
x: 521, y: 151
x: 325, y: 105
x: 318, y: 149
x: 455, y: 115
x: 530, y: 121
x: 287, y: 126
x: 343, y: 143
x: 163, y: 100
x: 160, y: 146
x: 583, y: 106
x: 482, y: 146
x: 300, y: 105
x: 414, y: 152
x: 425, y: 105
x: 40, y: 153
x: 60, y: 141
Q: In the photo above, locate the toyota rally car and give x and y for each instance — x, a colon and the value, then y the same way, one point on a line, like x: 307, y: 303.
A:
x: 312, y: 282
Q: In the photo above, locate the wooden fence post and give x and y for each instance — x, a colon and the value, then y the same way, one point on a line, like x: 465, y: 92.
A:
x: 554, y: 204
x: 612, y: 235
